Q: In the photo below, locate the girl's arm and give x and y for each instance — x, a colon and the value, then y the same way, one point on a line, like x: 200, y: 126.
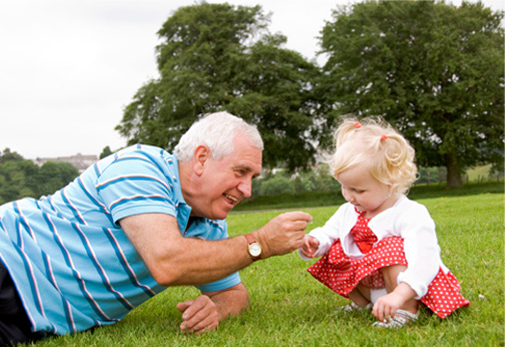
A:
x: 421, y: 249
x: 326, y: 235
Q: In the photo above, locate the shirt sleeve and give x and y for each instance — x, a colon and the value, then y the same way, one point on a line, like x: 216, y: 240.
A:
x: 213, y: 230
x: 134, y: 184
x: 225, y: 283
x: 326, y: 235
x: 421, y: 249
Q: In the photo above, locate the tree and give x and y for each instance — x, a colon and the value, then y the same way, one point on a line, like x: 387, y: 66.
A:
x: 17, y: 179
x: 7, y: 155
x: 105, y: 152
x: 274, y: 92
x: 220, y: 57
x: 434, y: 71
x: 55, y: 175
x: 21, y: 178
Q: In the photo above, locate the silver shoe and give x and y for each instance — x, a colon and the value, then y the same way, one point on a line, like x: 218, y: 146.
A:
x: 353, y: 307
x: 401, y: 318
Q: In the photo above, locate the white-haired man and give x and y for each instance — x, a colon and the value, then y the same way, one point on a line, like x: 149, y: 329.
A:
x: 135, y: 223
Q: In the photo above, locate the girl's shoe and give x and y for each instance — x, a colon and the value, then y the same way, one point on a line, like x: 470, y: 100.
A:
x: 401, y: 318
x: 353, y: 307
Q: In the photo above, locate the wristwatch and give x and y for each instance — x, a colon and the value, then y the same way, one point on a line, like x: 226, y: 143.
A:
x: 254, y: 248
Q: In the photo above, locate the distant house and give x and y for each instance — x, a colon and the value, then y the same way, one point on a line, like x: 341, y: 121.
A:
x: 81, y: 162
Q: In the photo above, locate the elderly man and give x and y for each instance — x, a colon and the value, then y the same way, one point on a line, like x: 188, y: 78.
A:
x: 135, y: 223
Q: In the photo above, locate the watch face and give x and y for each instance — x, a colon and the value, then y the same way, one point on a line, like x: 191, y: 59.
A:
x: 254, y: 249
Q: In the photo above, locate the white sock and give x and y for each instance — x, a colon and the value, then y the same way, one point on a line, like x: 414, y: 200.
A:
x: 377, y: 293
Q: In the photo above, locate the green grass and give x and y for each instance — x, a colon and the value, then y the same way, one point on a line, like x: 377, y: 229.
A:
x: 290, y: 308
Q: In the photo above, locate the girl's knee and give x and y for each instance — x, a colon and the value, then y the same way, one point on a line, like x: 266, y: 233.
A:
x: 390, y: 274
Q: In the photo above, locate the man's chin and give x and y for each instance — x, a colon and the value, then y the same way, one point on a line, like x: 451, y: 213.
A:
x: 222, y: 211
x: 221, y: 214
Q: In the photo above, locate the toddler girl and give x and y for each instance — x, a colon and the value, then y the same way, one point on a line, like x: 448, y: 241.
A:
x: 380, y: 249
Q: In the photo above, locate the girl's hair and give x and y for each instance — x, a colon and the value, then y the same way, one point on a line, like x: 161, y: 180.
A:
x: 216, y: 131
x: 375, y: 145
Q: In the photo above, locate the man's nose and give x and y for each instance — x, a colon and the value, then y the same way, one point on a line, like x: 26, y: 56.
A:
x: 245, y: 187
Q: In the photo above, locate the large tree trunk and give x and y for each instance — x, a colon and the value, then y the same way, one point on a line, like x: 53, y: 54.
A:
x: 453, y: 172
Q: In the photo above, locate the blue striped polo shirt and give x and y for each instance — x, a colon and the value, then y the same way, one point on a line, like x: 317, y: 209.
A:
x: 73, y: 266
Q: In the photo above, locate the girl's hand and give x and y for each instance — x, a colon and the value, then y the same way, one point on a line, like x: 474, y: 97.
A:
x: 310, y: 246
x: 385, y: 307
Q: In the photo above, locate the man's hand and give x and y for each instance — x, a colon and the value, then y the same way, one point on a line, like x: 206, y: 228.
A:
x: 199, y: 315
x: 310, y: 246
x: 206, y: 311
x: 283, y: 234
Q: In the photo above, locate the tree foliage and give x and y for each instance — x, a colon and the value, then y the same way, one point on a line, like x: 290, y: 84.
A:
x: 434, y: 70
x: 106, y: 151
x: 7, y: 155
x: 220, y: 57
x: 21, y: 178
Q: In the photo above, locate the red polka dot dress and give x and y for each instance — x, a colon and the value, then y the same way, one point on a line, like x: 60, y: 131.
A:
x: 342, y: 274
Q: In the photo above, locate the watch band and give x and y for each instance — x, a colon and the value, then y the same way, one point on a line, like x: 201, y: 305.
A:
x: 250, y: 238
x: 253, y: 247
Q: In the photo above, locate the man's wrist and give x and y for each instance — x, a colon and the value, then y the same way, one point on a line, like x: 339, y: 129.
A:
x: 254, y: 248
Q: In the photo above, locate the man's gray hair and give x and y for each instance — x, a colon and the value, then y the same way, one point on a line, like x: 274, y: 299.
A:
x: 216, y: 131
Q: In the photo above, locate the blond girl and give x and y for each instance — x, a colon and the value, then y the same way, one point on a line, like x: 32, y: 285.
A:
x: 380, y: 249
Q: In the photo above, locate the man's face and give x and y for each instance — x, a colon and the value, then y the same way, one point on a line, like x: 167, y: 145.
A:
x: 227, y: 181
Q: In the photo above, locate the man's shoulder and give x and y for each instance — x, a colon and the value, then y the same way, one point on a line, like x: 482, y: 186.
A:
x: 138, y: 158
x: 142, y: 150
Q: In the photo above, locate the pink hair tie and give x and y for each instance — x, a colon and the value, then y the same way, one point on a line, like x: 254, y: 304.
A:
x: 383, y: 137
x: 357, y: 125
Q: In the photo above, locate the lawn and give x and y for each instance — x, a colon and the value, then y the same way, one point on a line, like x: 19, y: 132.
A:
x: 290, y: 308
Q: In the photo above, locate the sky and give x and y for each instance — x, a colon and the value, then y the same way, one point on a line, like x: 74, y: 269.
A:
x: 68, y: 68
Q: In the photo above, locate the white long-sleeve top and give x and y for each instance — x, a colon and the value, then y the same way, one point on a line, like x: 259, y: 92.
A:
x: 406, y: 219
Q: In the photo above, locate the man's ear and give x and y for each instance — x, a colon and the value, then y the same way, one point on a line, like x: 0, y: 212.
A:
x: 200, y: 157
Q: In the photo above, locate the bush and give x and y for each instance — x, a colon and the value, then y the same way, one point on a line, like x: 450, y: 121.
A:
x: 278, y: 184
x: 318, y: 179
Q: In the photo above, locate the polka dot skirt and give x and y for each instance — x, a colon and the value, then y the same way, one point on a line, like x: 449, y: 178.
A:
x: 342, y: 274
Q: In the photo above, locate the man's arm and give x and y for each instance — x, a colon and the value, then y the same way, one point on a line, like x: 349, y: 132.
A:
x: 206, y: 311
x: 175, y: 260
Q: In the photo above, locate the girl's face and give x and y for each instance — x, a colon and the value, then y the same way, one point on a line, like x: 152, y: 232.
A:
x: 365, y: 192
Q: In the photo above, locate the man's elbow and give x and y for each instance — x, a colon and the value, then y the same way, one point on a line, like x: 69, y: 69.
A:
x: 166, y: 276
